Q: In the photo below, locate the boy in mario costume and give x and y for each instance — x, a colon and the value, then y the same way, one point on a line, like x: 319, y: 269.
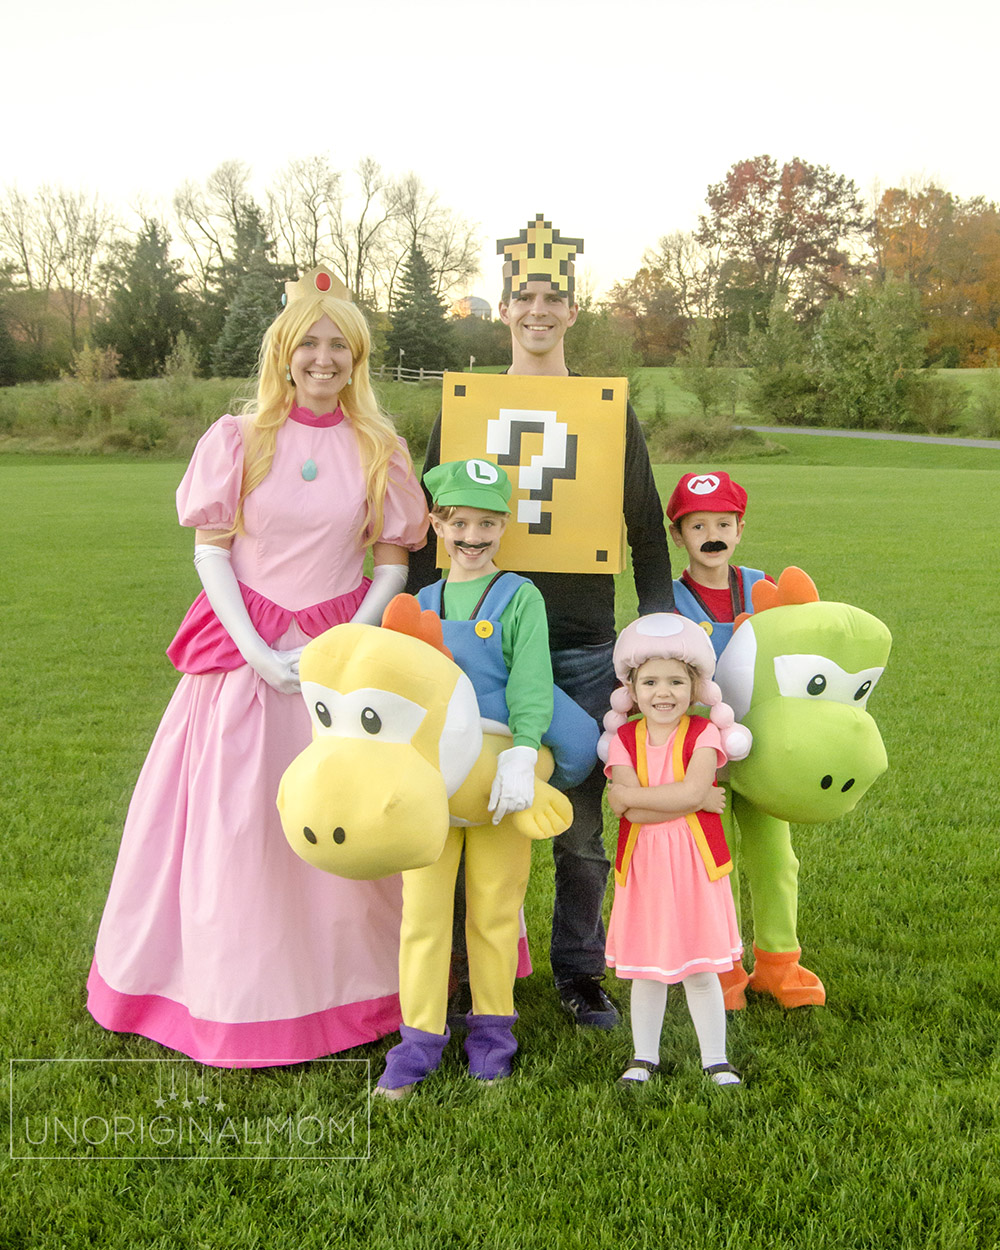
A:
x: 706, y: 518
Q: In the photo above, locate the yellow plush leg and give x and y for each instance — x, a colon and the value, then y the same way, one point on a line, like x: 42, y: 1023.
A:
x: 425, y: 938
x: 497, y: 864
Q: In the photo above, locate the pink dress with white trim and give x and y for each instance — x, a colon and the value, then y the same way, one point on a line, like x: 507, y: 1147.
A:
x: 217, y: 939
x: 669, y: 920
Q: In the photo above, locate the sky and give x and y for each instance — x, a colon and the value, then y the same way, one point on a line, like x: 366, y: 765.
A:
x: 610, y: 118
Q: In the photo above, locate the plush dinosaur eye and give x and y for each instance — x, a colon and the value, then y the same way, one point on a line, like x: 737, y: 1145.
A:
x: 861, y: 691
x: 323, y: 715
x: 371, y: 722
x: 816, y: 684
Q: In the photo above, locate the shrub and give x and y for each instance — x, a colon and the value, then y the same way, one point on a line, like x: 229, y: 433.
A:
x: 711, y: 438
x: 986, y: 408
x: 936, y: 404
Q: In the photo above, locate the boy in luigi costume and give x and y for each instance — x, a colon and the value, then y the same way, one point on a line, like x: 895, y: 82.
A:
x: 495, y: 626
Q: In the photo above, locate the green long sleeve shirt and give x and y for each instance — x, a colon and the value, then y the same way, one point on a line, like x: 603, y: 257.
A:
x: 525, y: 648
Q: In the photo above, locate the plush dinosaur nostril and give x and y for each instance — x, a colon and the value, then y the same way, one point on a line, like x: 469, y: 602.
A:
x: 847, y: 785
x: 308, y: 834
x: 827, y: 782
x: 339, y: 835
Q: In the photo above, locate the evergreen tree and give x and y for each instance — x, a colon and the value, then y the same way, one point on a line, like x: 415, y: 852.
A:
x: 146, y: 311
x: 255, y: 306
x: 9, y: 372
x: 420, y: 327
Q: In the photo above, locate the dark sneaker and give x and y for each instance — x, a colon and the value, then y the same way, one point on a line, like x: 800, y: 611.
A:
x: 585, y: 1000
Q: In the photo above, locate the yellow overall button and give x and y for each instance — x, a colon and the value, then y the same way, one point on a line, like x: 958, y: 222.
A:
x: 484, y: 629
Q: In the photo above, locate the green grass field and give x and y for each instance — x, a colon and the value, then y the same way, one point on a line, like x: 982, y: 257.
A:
x: 872, y: 1122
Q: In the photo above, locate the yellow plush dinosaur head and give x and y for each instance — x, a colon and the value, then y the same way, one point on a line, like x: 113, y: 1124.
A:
x: 396, y: 731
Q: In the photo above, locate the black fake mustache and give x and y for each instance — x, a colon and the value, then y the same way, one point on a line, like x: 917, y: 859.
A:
x: 715, y: 545
x: 473, y: 546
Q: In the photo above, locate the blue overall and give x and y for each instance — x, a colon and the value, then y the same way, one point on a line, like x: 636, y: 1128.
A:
x: 571, y: 736
x: 720, y: 631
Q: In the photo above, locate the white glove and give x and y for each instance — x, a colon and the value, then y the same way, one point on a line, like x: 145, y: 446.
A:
x: 279, y: 669
x: 388, y: 581
x: 514, y: 785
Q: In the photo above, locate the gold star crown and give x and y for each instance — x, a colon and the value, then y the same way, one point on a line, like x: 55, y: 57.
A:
x: 538, y: 254
x: 320, y: 281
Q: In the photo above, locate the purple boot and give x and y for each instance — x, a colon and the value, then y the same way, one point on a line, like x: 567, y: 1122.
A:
x: 415, y: 1057
x: 490, y: 1045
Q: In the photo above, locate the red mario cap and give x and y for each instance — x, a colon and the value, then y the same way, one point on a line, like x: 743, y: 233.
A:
x: 706, y: 492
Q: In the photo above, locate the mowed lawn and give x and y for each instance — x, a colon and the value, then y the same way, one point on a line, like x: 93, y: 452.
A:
x: 872, y: 1122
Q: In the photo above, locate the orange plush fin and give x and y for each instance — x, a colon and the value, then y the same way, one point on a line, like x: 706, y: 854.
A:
x: 794, y: 586
x: 403, y: 614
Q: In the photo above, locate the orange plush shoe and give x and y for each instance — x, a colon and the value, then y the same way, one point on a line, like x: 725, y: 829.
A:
x: 734, y: 983
x: 780, y: 974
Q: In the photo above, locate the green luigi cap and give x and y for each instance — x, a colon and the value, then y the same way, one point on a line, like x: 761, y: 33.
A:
x: 469, y: 484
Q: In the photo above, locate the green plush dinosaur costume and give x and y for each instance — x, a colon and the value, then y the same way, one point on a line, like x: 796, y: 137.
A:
x: 797, y: 674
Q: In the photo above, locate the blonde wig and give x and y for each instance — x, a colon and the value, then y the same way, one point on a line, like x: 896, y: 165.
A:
x: 376, y: 435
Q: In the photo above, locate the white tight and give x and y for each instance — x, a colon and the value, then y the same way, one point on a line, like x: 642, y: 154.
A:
x: 705, y: 1004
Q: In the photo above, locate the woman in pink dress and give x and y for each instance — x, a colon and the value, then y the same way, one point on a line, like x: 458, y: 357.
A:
x: 673, y: 917
x: 217, y: 940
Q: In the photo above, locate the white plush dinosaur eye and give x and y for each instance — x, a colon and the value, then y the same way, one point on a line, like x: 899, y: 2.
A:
x: 364, y: 713
x: 819, y: 677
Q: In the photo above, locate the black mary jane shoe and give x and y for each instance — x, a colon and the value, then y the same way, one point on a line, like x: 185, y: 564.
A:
x: 724, y: 1067
x: 630, y: 1082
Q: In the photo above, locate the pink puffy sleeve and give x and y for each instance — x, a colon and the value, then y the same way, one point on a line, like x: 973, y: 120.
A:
x: 405, y: 517
x: 209, y: 492
x: 617, y: 754
x: 710, y: 737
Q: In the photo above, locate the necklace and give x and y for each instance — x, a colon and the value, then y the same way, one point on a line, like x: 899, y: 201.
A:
x: 303, y: 416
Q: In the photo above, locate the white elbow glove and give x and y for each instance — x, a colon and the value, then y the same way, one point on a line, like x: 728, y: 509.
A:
x: 279, y: 669
x: 514, y: 785
x: 388, y: 580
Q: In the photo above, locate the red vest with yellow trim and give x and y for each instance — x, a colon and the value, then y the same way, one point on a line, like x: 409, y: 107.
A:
x: 706, y: 827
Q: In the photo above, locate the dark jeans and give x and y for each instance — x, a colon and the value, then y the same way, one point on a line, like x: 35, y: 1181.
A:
x: 577, y: 948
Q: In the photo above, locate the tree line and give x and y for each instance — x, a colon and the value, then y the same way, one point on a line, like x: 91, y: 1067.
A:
x: 207, y: 275
x: 789, y: 275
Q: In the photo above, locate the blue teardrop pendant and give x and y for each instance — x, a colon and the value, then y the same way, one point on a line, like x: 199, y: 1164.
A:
x: 309, y: 470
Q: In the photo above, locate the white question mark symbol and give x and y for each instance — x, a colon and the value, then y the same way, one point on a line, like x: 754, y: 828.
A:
x: 554, y: 453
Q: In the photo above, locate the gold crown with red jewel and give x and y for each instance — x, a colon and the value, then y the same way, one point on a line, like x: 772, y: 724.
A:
x: 321, y: 281
x: 538, y: 254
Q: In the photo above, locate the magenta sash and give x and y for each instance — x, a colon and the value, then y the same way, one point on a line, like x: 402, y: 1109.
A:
x: 201, y: 645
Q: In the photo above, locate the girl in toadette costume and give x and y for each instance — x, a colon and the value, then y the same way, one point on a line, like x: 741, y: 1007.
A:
x: 673, y: 918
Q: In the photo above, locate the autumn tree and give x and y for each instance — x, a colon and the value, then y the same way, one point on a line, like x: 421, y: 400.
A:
x: 792, y: 226
x: 949, y: 251
x: 53, y: 244
x: 647, y: 306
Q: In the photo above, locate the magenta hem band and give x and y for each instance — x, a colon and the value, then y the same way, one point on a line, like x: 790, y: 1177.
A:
x: 258, y: 1044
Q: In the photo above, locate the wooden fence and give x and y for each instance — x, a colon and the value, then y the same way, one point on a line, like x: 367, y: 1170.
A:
x: 394, y: 373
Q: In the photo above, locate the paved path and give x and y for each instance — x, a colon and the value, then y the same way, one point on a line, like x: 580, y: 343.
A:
x: 878, y: 434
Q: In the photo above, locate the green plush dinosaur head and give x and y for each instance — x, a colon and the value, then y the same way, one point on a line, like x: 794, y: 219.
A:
x: 798, y: 675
